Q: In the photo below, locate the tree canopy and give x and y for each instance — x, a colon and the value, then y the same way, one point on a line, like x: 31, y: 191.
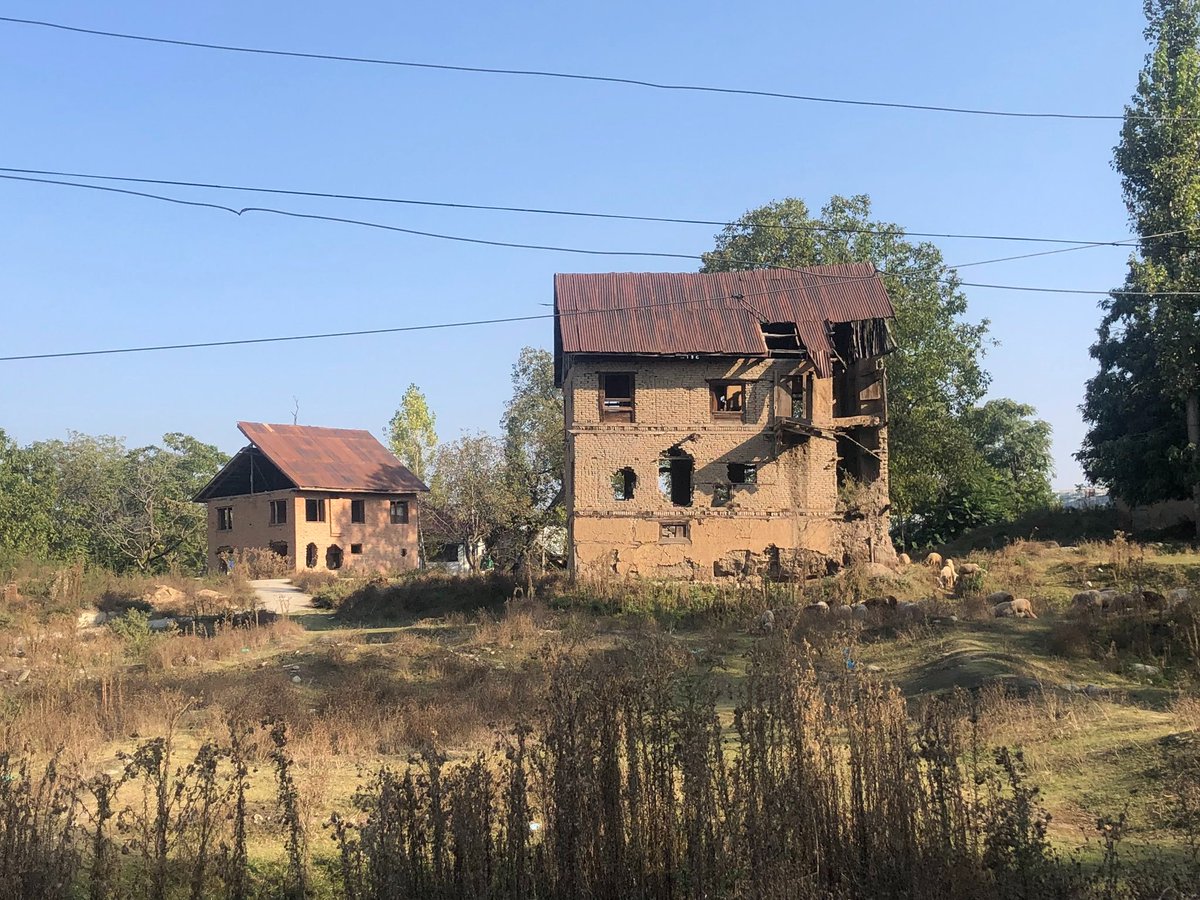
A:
x: 412, y: 435
x: 1143, y: 406
x: 935, y: 378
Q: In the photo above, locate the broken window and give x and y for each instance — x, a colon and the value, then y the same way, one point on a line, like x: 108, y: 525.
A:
x: 358, y: 511
x: 224, y: 518
x: 333, y: 557
x: 721, y: 494
x: 674, y: 532
x: 310, y: 556
x: 743, y: 473
x: 728, y: 399
x: 399, y: 512
x: 355, y: 549
x: 802, y: 388
x: 781, y: 338
x: 858, y: 457
x: 624, y: 481
x: 675, y: 476
x: 279, y: 548
x: 616, y: 396
x: 278, y: 512
x: 314, y: 509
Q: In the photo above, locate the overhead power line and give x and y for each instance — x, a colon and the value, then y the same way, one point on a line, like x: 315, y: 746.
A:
x: 571, y: 76
x: 489, y: 242
x: 670, y: 220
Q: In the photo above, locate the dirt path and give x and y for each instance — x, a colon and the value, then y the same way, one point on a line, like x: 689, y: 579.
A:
x: 278, y: 595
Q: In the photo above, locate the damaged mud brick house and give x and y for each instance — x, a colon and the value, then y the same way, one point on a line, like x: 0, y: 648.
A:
x: 322, y: 498
x: 725, y: 425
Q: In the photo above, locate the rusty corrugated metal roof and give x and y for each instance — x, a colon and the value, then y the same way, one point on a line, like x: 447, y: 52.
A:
x: 333, y: 459
x: 672, y: 313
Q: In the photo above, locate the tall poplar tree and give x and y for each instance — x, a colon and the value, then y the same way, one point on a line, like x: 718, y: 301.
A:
x: 1144, y: 404
x: 412, y: 434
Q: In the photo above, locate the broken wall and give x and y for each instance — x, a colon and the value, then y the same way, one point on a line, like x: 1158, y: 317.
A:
x: 790, y: 511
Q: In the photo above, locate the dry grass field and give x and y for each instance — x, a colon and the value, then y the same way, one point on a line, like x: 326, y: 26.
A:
x: 280, y: 726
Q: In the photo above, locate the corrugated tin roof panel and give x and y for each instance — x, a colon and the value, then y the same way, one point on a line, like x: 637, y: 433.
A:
x: 336, y: 459
x: 669, y: 313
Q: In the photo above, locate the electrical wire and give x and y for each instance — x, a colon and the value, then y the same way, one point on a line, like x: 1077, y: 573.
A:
x: 670, y: 220
x: 570, y: 76
x: 509, y: 244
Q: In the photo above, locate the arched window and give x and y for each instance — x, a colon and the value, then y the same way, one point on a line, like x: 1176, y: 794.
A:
x: 310, y: 556
x: 333, y: 557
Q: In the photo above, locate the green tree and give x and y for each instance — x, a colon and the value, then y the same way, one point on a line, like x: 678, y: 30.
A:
x: 471, y: 495
x: 411, y: 432
x: 1144, y: 404
x: 935, y: 376
x: 27, y: 524
x: 1016, y: 447
x: 534, y: 448
x: 129, y: 509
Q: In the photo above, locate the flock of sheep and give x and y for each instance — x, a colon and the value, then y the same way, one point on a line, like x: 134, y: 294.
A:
x: 1003, y: 604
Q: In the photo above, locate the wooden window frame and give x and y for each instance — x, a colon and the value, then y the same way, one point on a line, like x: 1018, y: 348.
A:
x: 277, y: 506
x: 320, y: 508
x: 673, y: 537
x: 224, y: 518
x: 392, y: 517
x: 717, y: 384
x: 358, y: 512
x: 620, y: 414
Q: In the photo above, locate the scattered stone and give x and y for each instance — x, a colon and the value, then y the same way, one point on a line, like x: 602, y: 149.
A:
x: 258, y: 819
x: 209, y: 594
x: 90, y: 618
x: 1092, y: 690
x: 160, y: 625
x: 1143, y: 669
x: 190, y: 660
x: 296, y: 679
x: 164, y: 595
x: 23, y: 676
x: 873, y: 668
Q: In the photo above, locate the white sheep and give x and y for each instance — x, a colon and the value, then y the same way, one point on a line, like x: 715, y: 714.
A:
x: 948, y: 576
x: 904, y: 559
x: 934, y: 561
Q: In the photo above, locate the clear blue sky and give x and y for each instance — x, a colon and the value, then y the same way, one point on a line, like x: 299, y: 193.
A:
x: 85, y: 270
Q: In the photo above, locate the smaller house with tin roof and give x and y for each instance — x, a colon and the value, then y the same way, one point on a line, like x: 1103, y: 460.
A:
x: 728, y: 425
x: 322, y: 498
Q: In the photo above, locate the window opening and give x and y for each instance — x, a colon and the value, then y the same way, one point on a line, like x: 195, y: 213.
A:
x: 358, y: 511
x: 224, y: 518
x: 314, y: 509
x: 721, y: 494
x: 624, y: 482
x: 802, y: 396
x: 278, y: 512
x: 310, y: 556
x: 333, y: 557
x: 743, y: 473
x: 781, y: 337
x: 399, y: 512
x: 355, y: 549
x: 674, y: 532
x: 279, y: 548
x: 675, y: 476
x: 728, y: 399
x: 616, y: 396
x: 857, y: 459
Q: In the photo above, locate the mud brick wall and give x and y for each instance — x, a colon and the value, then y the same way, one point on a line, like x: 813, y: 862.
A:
x: 788, y: 522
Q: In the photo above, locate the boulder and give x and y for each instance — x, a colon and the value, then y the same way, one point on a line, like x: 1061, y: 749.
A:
x: 161, y: 625
x: 1143, y: 669
x: 90, y: 618
x: 164, y: 595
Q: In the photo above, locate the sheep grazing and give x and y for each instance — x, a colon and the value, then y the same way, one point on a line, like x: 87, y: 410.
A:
x: 766, y: 622
x: 904, y: 559
x: 1154, y: 600
x: 934, y: 561
x: 1015, y: 609
x: 998, y: 597
x: 1087, y: 600
x: 970, y: 569
x: 876, y: 602
x: 948, y: 577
